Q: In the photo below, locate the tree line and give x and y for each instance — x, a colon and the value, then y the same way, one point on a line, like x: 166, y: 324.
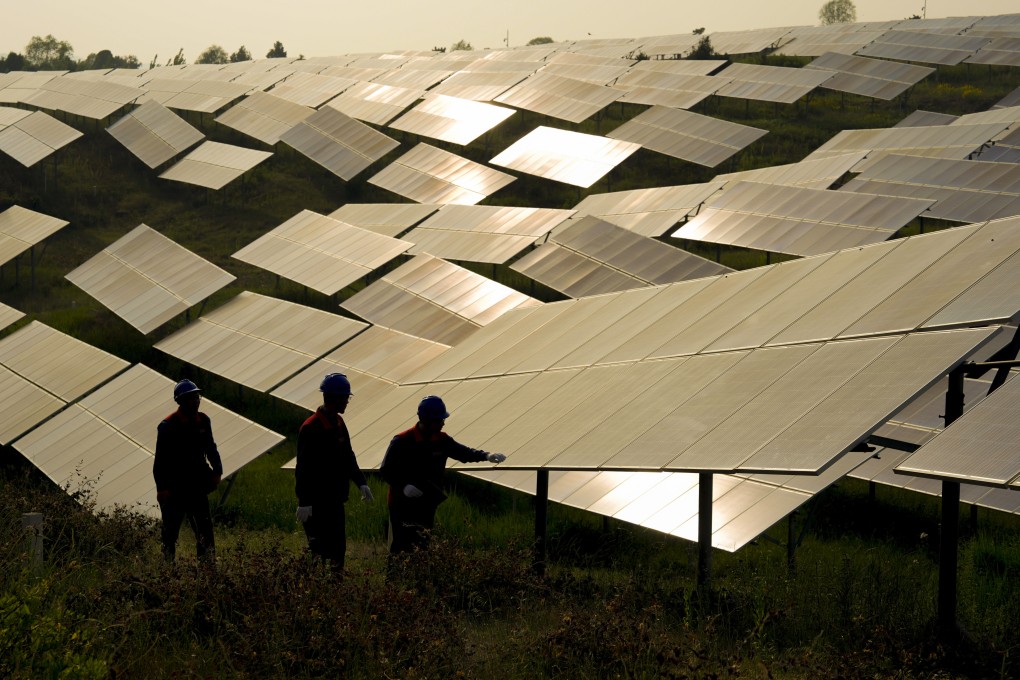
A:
x: 50, y: 54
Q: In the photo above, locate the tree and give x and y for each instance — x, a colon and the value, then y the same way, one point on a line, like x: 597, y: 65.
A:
x: 13, y: 62
x: 702, y: 50
x: 49, y: 54
x: 838, y: 12
x: 277, y: 51
x: 541, y: 40
x: 214, y: 54
x: 461, y: 45
x: 179, y: 60
x: 698, y: 31
x: 242, y: 54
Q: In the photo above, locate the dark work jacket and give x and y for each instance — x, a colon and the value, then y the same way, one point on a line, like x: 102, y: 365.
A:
x: 419, y: 459
x: 187, y: 459
x: 325, y: 461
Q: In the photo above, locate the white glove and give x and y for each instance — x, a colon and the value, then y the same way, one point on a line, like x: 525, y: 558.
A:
x: 411, y: 491
x: 495, y: 458
x: 366, y: 493
x: 304, y: 512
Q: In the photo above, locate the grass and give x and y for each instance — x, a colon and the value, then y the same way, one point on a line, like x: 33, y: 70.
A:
x: 616, y: 602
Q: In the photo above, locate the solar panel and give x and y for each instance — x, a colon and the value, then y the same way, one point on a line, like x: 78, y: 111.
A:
x: 35, y: 137
x: 482, y: 86
x: 21, y: 228
x: 202, y: 96
x: 921, y: 118
x: 748, y: 42
x: 813, y: 41
x: 770, y: 83
x: 923, y: 47
x: 598, y: 74
x: 259, y: 341
x: 475, y: 233
x: 433, y: 299
x: 570, y: 157
x: 106, y: 442
x: 798, y: 220
x: 559, y: 97
x: 650, y: 212
x: 869, y: 77
x: 939, y: 141
x: 154, y: 133
x: 41, y: 369
x: 664, y: 88
x: 964, y: 191
x: 429, y: 175
x: 214, y: 165
x: 8, y: 315
x: 458, y: 121
x: 591, y: 257
x: 689, y: 136
x: 374, y: 102
x: 388, y: 219
x: 311, y: 89
x: 146, y: 279
x: 320, y: 252
x: 816, y: 174
x: 376, y: 361
x: 264, y: 116
x: 338, y: 143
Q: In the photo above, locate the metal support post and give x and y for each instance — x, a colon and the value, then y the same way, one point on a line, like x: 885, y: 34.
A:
x: 705, y: 480
x: 32, y: 524
x: 791, y: 542
x: 541, y: 520
x: 950, y: 530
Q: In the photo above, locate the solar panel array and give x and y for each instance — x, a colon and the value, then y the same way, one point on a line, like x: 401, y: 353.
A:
x: 559, y: 97
x: 375, y: 103
x: 31, y: 138
x: 337, y: 142
x: 21, y: 228
x: 264, y: 116
x: 106, y: 442
x: 433, y: 299
x: 476, y: 233
x: 147, y: 279
x: 41, y: 370
x: 389, y: 219
x: 154, y: 133
x: 770, y: 83
x: 259, y: 341
x: 214, y: 165
x: 564, y: 156
x: 689, y: 136
x: 458, y: 121
x: 923, y: 47
x: 869, y: 77
x: 964, y: 191
x: 798, y: 220
x: 649, y: 212
x: 321, y: 252
x: 592, y: 257
x: 429, y: 175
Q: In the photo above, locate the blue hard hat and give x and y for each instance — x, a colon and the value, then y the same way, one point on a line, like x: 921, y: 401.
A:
x: 184, y: 387
x: 432, y: 408
x: 337, y: 384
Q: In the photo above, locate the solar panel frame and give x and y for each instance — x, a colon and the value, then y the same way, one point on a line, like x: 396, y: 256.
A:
x: 564, y: 156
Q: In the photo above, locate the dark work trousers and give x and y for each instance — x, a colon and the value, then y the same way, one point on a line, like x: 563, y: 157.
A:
x: 327, y: 534
x: 196, y: 508
x: 411, y: 524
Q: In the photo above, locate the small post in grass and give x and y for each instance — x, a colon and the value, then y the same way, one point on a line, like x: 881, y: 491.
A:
x: 32, y: 524
x: 541, y: 519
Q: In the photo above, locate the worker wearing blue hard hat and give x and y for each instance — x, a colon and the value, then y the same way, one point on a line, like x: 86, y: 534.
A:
x: 186, y: 469
x: 326, y: 465
x: 413, y: 467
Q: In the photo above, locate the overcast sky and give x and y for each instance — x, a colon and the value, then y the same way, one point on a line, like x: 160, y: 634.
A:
x: 146, y: 28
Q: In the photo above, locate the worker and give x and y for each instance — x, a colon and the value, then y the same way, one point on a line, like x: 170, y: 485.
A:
x: 413, y: 467
x: 326, y: 465
x: 186, y: 468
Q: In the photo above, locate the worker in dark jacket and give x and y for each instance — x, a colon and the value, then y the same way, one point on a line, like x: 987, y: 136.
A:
x: 326, y: 465
x: 187, y: 468
x: 413, y: 467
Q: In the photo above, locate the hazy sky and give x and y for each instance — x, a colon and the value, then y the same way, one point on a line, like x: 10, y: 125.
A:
x: 146, y: 28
